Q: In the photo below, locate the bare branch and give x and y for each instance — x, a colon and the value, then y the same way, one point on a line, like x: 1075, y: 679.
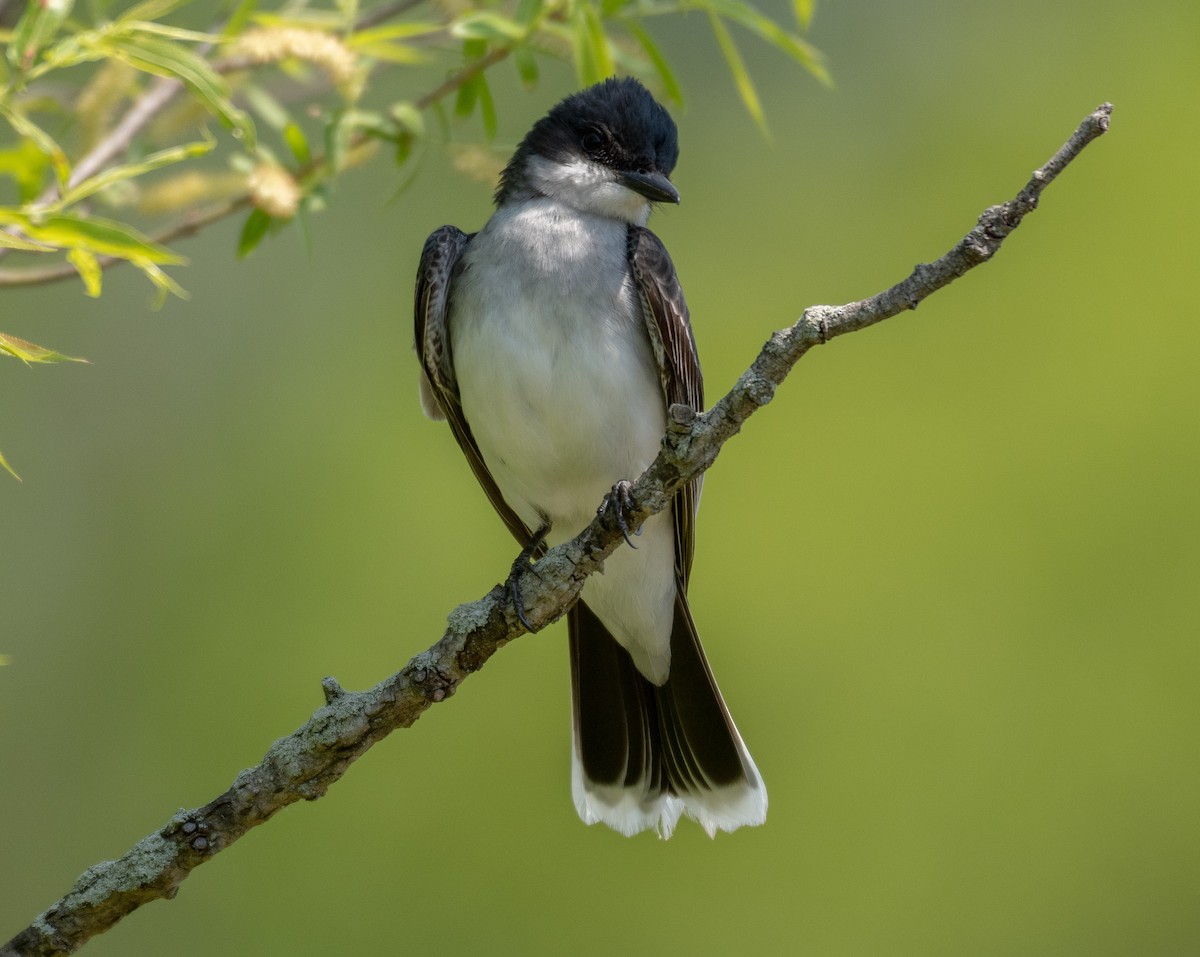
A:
x: 303, y: 765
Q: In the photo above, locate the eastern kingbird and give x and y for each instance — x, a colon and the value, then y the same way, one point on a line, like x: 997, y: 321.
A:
x: 553, y: 341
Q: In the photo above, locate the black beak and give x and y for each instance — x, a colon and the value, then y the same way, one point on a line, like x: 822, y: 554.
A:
x: 654, y: 186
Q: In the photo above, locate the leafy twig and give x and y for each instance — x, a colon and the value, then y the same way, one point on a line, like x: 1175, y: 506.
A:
x: 189, y: 226
x: 303, y: 765
x: 160, y: 94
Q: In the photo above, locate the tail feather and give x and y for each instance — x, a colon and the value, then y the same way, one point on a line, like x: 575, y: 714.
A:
x: 645, y: 754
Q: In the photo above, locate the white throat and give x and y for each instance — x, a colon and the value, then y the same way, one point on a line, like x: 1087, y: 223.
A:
x: 588, y: 187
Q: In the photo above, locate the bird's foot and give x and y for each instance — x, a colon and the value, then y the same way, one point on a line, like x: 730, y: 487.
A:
x: 520, y: 563
x: 616, y: 507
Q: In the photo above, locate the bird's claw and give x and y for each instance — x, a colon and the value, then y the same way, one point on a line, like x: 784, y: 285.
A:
x: 520, y: 563
x: 616, y: 507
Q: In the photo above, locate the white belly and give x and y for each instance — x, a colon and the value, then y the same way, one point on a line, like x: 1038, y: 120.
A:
x: 559, y: 385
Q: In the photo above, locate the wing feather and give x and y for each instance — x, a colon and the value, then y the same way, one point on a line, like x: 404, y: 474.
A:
x: 441, y: 261
x: 667, y: 323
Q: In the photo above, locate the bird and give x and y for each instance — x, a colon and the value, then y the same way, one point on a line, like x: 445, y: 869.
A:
x: 553, y: 341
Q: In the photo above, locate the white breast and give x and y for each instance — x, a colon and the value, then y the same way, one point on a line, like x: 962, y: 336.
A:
x: 553, y: 362
x: 559, y: 385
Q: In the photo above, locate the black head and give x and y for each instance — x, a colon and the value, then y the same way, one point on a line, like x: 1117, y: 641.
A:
x: 613, y: 133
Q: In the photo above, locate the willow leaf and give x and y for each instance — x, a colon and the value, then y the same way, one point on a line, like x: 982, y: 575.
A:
x: 117, y: 174
x: 526, y: 63
x: 44, y: 141
x: 37, y: 26
x: 487, y: 25
x: 670, y: 84
x: 487, y: 108
x: 165, y: 58
x: 253, y: 231
x: 753, y: 20
x: 88, y: 267
x: 741, y: 79
x: 9, y: 241
x: 103, y: 237
x: 9, y: 469
x: 29, y: 352
x: 599, y: 41
x: 150, y: 10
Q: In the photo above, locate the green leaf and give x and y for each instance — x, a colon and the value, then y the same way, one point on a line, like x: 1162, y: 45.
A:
x: 165, y: 58
x: 160, y: 279
x: 408, y: 125
x: 487, y: 108
x: 264, y: 106
x: 487, y: 25
x: 670, y: 85
x: 381, y: 42
x: 26, y: 163
x: 103, y: 237
x: 409, y: 117
x: 467, y: 96
x: 297, y: 142
x: 326, y: 20
x: 526, y: 63
x: 9, y: 241
x: 528, y: 11
x: 747, y: 16
x: 236, y: 24
x: 587, y: 54
x: 170, y: 32
x: 601, y: 55
x: 581, y: 52
x: 4, y: 659
x: 37, y: 27
x: 29, y: 353
x: 741, y: 79
x: 804, y: 11
x: 253, y: 231
x: 338, y: 133
x: 88, y: 267
x: 150, y: 10
x: 87, y: 239
x: 391, y: 52
x: 44, y: 142
x: 117, y: 174
x: 395, y: 31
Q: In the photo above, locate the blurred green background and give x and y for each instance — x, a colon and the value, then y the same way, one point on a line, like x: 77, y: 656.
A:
x: 948, y: 581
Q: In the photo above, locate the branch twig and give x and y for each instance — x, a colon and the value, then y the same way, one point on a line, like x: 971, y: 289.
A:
x: 303, y: 765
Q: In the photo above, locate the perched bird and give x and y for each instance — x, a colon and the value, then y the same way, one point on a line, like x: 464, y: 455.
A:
x: 553, y: 341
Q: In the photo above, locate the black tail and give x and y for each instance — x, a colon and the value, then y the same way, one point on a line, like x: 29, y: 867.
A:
x: 645, y: 754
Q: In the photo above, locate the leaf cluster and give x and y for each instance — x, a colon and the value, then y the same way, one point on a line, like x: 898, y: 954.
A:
x: 114, y: 120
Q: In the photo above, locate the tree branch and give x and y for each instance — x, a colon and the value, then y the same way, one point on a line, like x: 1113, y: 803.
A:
x: 304, y: 764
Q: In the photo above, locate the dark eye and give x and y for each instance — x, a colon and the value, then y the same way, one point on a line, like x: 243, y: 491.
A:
x: 592, y: 141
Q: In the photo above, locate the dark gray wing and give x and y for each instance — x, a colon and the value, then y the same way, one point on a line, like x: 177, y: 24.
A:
x: 441, y: 262
x: 666, y: 316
